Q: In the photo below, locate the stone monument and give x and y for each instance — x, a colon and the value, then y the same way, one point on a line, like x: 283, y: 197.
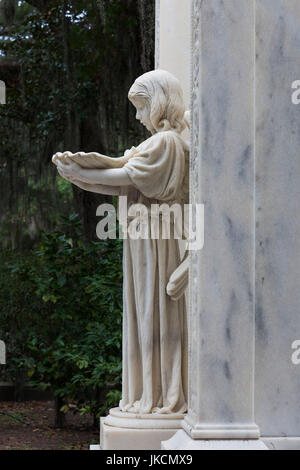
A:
x: 238, y: 62
x: 154, y: 388
x: 244, y: 291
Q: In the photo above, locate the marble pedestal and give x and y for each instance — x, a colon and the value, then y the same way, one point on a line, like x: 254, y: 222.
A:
x: 128, y: 431
x: 182, y: 441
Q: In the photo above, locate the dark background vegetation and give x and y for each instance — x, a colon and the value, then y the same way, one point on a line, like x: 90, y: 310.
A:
x: 67, y: 66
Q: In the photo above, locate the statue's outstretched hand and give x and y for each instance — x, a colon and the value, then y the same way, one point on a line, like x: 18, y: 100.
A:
x: 178, y: 281
x: 66, y: 167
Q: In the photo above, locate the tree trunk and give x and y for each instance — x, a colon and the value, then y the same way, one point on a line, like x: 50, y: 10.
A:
x: 90, y: 141
x: 19, y: 394
x: 60, y: 417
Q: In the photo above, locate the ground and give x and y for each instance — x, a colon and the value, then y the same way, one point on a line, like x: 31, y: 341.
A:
x: 39, y: 433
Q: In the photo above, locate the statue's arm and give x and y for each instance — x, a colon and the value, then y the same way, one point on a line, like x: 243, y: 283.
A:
x: 93, y: 188
x: 97, y: 188
x: 179, y: 280
x: 111, y: 177
x: 115, y: 177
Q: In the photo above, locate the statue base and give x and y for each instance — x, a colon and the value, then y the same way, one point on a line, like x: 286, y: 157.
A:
x: 130, y: 431
x: 182, y: 441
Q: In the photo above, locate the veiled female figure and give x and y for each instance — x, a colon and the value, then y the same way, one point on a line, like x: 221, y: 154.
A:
x: 154, y: 315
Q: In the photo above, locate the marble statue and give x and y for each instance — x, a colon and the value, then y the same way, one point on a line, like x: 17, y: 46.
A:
x: 154, y: 312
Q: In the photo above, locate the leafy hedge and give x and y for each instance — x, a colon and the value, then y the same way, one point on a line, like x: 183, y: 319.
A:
x: 61, y: 316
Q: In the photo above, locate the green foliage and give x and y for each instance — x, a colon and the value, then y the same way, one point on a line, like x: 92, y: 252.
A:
x: 68, y: 66
x: 61, y: 317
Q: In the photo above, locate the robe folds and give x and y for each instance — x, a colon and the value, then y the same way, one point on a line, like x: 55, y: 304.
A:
x: 154, y: 326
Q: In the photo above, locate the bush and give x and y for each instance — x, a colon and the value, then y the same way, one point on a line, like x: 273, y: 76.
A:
x: 60, y: 315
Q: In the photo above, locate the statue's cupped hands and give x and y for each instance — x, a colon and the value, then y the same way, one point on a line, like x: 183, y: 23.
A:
x: 67, y: 168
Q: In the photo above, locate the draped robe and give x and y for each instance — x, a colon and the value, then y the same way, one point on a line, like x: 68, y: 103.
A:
x: 154, y: 326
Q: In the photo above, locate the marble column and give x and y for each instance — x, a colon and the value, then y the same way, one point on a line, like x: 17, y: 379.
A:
x: 173, y: 40
x: 277, y: 384
x: 222, y: 275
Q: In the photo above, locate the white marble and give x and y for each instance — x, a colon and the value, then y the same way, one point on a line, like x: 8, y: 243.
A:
x: 282, y: 443
x: 121, y: 419
x: 183, y: 442
x: 241, y: 376
x: 220, y: 135
x: 95, y: 447
x: 122, y: 431
x: 173, y: 39
x: 221, y: 323
x: 277, y: 404
x: 133, y: 439
x: 227, y: 96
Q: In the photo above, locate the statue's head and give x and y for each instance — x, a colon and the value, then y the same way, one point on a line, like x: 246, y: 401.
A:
x: 158, y: 98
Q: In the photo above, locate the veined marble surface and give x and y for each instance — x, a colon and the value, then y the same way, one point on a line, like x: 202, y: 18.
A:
x: 277, y: 404
x: 172, y: 44
x: 222, y: 177
x: 226, y: 151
